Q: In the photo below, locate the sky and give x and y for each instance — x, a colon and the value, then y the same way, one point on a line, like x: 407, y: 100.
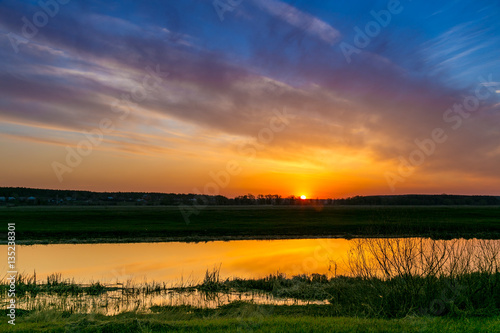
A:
x: 316, y: 98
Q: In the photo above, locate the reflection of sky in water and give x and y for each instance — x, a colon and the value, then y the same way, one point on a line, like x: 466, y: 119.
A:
x: 112, y: 303
x: 170, y: 261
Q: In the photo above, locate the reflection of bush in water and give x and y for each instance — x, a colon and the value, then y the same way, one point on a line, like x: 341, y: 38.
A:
x: 386, y: 278
x: 403, y: 276
x: 410, y: 257
x: 395, y: 278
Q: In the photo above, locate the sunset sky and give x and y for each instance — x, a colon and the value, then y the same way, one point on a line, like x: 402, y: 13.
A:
x: 316, y: 98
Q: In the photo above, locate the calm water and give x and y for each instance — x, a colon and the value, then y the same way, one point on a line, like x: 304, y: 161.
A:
x: 171, y: 262
x: 184, y: 264
x: 177, y: 262
x: 174, y: 263
x: 111, y: 303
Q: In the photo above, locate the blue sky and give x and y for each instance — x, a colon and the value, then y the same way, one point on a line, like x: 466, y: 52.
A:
x: 353, y: 123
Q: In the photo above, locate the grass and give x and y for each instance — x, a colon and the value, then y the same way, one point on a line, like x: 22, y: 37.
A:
x: 145, y: 224
x: 390, y: 278
x: 467, y: 295
x: 240, y: 317
x: 452, y: 291
x: 462, y: 295
x: 54, y: 284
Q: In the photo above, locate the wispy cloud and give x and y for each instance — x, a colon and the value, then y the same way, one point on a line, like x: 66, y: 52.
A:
x: 224, y: 83
x: 300, y: 20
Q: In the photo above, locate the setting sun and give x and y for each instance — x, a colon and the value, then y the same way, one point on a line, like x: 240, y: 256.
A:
x: 303, y: 197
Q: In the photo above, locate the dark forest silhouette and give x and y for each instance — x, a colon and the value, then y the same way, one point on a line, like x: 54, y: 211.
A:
x: 30, y: 196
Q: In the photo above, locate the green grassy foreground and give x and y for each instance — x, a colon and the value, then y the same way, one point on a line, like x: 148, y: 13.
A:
x: 411, y: 296
x: 466, y: 295
x: 136, y: 224
x: 243, y: 317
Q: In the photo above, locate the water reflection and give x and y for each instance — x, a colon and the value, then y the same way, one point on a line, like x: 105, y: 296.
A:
x: 173, y: 262
x: 115, y: 302
x: 179, y: 265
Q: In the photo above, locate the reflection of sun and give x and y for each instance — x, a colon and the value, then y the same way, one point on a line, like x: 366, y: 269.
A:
x: 303, y: 197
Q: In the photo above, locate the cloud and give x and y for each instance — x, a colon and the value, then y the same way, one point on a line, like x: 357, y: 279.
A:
x: 300, y: 20
x: 69, y: 76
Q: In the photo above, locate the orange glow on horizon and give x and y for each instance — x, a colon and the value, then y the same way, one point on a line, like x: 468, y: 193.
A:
x: 192, y: 171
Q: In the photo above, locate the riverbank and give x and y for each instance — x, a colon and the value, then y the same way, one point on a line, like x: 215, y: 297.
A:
x: 241, y: 317
x: 151, y: 323
x: 392, y: 285
x: 129, y: 224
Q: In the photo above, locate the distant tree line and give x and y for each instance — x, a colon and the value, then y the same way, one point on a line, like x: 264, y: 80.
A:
x: 420, y: 199
x: 31, y: 196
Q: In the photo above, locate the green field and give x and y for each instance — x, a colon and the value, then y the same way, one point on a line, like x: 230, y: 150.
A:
x: 403, y: 303
x: 239, y: 318
x: 136, y: 224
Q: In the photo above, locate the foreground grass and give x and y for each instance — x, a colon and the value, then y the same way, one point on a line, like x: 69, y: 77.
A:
x: 139, y: 224
x: 464, y: 295
x: 243, y: 317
